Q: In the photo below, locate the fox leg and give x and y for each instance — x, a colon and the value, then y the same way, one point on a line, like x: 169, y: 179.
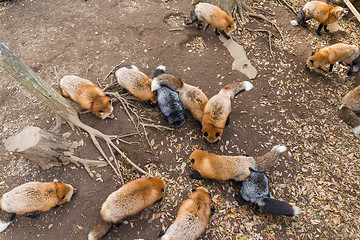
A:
x: 349, y: 73
x: 325, y: 28
x: 239, y: 199
x: 331, y: 67
x: 319, y: 29
x: 197, y: 176
x: 223, y: 33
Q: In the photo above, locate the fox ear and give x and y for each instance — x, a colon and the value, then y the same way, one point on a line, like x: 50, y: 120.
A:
x: 312, y: 61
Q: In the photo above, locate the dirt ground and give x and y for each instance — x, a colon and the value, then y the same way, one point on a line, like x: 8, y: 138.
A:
x: 289, y: 105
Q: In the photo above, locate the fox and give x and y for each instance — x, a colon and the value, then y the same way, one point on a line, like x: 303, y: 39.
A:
x: 217, y: 110
x: 169, y: 103
x: 213, y: 15
x: 128, y: 200
x: 87, y: 94
x: 321, y: 12
x: 192, y: 217
x: 193, y: 98
x: 339, y: 52
x: 31, y: 198
x: 255, y: 189
x: 349, y: 110
x: 137, y: 83
x: 238, y: 168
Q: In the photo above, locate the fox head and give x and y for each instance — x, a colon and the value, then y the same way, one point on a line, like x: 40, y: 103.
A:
x: 211, y: 133
x: 231, y: 25
x: 312, y: 61
x: 64, y: 192
x: 102, y: 107
x: 338, y: 12
x: 196, y: 158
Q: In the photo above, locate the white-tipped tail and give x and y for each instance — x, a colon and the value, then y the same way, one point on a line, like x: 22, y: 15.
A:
x: 161, y: 67
x: 133, y: 67
x: 155, y: 85
x: 294, y: 22
x: 356, y: 130
x: 4, y: 225
x: 280, y: 148
x: 248, y: 85
x: 297, y: 210
x: 91, y: 236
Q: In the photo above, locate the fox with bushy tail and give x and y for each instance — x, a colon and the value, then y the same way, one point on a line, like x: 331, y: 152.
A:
x: 238, y: 168
x: 255, y: 189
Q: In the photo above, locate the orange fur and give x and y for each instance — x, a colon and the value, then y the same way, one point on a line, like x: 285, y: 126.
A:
x: 322, y: 12
x: 128, y: 200
x: 87, y: 94
x: 136, y: 82
x: 218, y: 109
x: 349, y: 110
x: 192, y: 97
x: 192, y: 217
x: 332, y: 54
x: 222, y: 168
x: 215, y: 17
x: 36, y: 196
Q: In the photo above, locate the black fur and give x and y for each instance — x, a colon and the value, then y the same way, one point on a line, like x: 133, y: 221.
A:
x: 33, y: 215
x: 255, y: 189
x: 224, y: 34
x: 158, y: 72
x: 212, y: 211
x: 161, y: 233
x: 319, y: 29
x: 331, y: 67
x: 197, y: 176
x: 227, y: 121
x: 170, y: 106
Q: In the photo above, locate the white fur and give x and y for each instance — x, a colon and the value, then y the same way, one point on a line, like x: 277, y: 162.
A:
x: 294, y: 23
x: 91, y: 237
x: 161, y: 67
x: 280, y: 148
x: 155, y: 85
x: 356, y: 130
x: 248, y: 85
x: 297, y: 210
x: 133, y: 67
x: 4, y: 225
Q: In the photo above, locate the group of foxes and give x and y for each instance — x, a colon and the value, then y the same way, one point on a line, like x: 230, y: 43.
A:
x: 173, y: 95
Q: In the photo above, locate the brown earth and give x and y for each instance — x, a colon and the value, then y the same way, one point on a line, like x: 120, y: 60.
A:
x: 288, y: 105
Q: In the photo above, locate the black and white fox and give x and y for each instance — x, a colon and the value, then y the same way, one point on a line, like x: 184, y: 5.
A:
x: 255, y: 189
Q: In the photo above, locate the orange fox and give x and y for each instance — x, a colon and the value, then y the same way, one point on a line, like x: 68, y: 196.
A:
x: 348, y: 54
x: 218, y: 109
x: 222, y: 168
x: 321, y: 12
x: 87, y: 94
x: 32, y: 197
x: 349, y: 110
x: 136, y: 82
x: 192, y: 217
x: 128, y: 200
x: 215, y: 17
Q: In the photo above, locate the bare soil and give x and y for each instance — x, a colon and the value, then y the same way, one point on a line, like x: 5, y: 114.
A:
x: 289, y: 105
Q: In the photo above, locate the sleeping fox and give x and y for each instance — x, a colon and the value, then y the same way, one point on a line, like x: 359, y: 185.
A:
x: 339, y: 52
x: 215, y: 17
x: 321, y: 12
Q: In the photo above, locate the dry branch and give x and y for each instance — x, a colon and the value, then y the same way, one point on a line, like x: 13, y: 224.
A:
x: 268, y: 32
x: 47, y: 149
x: 23, y: 74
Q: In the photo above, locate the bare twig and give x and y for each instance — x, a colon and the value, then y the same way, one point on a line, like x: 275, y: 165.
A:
x: 288, y: 6
x: 268, y: 32
x: 265, y: 19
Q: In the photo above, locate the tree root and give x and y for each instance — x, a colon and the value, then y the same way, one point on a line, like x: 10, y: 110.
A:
x: 288, y: 6
x: 268, y: 32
